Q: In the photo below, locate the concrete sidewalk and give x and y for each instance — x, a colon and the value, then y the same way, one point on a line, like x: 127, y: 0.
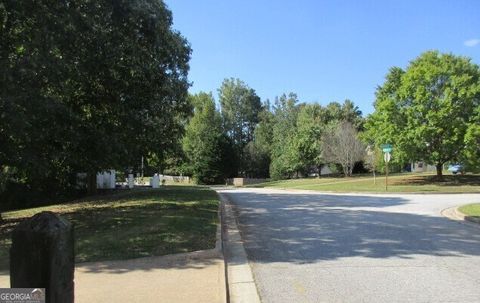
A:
x: 167, y: 279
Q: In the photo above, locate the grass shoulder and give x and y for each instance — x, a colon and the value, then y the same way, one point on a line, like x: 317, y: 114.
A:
x: 131, y: 224
x: 471, y: 210
x: 406, y: 182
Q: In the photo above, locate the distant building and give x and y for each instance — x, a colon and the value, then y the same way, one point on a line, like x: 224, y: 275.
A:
x: 422, y: 167
x: 325, y: 170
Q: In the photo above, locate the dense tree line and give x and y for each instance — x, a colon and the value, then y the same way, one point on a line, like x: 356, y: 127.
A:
x: 208, y: 149
x: 429, y: 112
x: 86, y: 86
x: 282, y: 140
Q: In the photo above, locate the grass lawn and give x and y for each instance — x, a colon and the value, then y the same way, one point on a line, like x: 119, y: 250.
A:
x: 408, y: 182
x: 130, y: 224
x: 471, y: 210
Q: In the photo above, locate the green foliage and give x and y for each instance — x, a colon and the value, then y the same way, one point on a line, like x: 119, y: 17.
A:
x: 311, y: 123
x: 264, y: 131
x: 87, y: 85
x: 425, y: 111
x: 240, y: 108
x: 206, y: 147
x: 284, y: 158
x: 471, y: 153
x: 258, y: 162
x: 384, y: 125
x: 336, y: 112
x: 257, y: 152
x: 292, y: 134
x: 373, y: 159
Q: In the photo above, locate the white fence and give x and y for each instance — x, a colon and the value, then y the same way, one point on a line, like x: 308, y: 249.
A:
x: 106, y: 179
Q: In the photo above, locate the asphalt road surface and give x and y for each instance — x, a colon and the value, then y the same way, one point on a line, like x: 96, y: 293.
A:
x: 314, y: 247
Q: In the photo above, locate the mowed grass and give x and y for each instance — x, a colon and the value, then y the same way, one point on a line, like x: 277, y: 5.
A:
x: 131, y: 224
x: 409, y: 182
x: 471, y: 210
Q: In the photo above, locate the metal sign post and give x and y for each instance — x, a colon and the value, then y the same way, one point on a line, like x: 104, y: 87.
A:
x: 371, y: 152
x: 386, y: 157
x: 387, y: 149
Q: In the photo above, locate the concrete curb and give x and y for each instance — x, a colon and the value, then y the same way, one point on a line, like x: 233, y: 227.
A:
x: 241, y: 286
x: 461, y: 215
x: 454, y: 214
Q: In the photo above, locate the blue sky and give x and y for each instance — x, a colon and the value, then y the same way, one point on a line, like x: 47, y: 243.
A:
x: 322, y: 50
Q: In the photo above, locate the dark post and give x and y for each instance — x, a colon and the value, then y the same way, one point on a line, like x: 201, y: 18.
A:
x: 42, y: 256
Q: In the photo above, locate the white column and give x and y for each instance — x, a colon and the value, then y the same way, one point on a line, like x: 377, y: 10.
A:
x: 155, y: 181
x: 130, y: 180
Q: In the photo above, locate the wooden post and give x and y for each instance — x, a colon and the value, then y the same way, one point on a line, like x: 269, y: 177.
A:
x: 42, y: 256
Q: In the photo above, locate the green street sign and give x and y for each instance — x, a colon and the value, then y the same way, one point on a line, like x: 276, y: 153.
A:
x: 387, y: 148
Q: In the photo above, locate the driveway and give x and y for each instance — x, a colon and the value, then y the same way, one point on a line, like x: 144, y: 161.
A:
x: 315, y: 247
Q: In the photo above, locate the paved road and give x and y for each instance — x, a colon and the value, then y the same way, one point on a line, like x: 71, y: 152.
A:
x: 313, y: 247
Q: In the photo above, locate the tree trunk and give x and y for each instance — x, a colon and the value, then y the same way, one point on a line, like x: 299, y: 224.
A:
x: 439, y: 167
x: 319, y: 170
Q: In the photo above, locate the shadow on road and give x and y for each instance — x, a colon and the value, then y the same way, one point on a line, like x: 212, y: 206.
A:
x: 308, y: 228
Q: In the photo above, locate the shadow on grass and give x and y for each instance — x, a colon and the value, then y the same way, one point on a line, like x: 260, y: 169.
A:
x: 136, y: 224
x: 397, y: 180
x: 301, y: 229
x: 447, y: 180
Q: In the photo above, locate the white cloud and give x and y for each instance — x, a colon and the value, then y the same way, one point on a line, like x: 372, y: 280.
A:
x: 472, y: 42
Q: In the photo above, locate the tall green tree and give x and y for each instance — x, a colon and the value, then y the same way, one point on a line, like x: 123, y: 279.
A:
x: 205, y: 145
x: 285, y: 158
x: 388, y: 120
x: 87, y: 85
x: 347, y: 111
x: 311, y: 123
x: 257, y: 153
x: 240, y: 108
x: 426, y: 109
x: 471, y: 153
